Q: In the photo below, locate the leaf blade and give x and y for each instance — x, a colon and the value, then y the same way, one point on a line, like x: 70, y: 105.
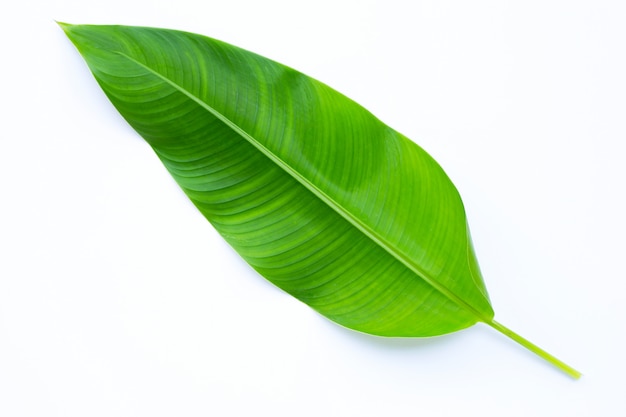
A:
x: 139, y: 82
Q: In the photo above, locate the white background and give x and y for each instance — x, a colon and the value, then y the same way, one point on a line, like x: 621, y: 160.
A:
x: 118, y: 299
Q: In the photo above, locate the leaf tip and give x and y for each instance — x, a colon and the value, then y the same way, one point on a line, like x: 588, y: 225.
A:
x: 67, y: 27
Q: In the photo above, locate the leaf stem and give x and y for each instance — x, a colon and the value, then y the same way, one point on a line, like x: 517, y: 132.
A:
x: 535, y: 349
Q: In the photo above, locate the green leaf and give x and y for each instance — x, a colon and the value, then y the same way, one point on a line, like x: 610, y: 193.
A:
x: 314, y: 192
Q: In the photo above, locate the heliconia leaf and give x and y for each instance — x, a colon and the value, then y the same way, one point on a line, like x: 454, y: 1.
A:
x: 313, y: 191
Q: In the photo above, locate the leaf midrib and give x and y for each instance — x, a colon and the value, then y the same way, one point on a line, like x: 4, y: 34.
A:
x: 342, y: 211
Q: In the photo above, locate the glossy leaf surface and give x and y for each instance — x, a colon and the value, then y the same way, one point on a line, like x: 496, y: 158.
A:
x: 313, y: 191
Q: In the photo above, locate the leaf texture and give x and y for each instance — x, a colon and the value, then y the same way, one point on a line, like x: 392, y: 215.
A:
x: 314, y: 192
